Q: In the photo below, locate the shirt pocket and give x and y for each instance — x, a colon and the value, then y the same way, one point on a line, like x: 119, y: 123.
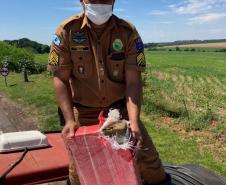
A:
x: 83, y: 64
x: 116, y: 67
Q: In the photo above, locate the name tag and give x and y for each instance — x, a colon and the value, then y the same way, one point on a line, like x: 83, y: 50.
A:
x: 118, y: 56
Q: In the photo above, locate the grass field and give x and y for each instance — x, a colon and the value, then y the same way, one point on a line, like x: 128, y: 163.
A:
x: 218, y: 45
x: 41, y: 57
x: 184, y: 110
x: 186, y: 92
x: 187, y: 85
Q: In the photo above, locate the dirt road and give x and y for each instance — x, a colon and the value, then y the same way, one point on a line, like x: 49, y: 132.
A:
x: 13, y: 118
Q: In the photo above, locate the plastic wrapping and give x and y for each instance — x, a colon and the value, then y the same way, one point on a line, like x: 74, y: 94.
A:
x: 97, y: 163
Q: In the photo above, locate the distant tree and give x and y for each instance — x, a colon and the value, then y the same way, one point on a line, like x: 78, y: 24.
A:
x: 45, y: 49
x: 221, y: 50
x: 26, y: 66
x: 14, y: 56
x: 183, y: 42
x: 178, y: 49
x: 5, y: 61
x: 26, y: 43
x: 151, y: 45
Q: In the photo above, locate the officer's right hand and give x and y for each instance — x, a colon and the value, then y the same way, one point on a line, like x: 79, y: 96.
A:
x: 70, y: 129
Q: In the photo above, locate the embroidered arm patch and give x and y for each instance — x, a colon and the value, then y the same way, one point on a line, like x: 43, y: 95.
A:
x: 53, y: 58
x: 141, y: 60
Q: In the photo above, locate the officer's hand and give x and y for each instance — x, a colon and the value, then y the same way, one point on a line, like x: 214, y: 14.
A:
x: 136, y: 134
x: 70, y: 128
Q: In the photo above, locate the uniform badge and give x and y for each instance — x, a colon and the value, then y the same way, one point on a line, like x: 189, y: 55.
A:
x: 81, y: 69
x: 117, y: 45
x: 141, y: 60
x: 79, y: 34
x: 79, y: 37
x: 80, y: 48
x: 53, y: 58
x: 139, y: 45
x: 118, y: 56
x: 79, y: 41
x: 56, y: 40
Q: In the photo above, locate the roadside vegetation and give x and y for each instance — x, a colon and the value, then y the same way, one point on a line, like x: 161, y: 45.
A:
x: 184, y: 109
x: 19, y: 59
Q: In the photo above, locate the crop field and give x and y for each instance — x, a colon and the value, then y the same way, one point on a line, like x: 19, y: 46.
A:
x: 218, y: 45
x: 184, y: 105
x: 187, y: 85
x: 186, y: 91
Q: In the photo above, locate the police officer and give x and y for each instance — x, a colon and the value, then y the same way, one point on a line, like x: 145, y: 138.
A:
x: 97, y: 60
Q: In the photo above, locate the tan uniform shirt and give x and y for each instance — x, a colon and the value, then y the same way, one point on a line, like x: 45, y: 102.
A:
x: 97, y: 64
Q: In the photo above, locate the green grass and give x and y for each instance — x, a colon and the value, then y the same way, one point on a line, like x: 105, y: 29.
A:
x: 174, y: 150
x: 41, y: 58
x: 190, y: 86
x: 187, y: 86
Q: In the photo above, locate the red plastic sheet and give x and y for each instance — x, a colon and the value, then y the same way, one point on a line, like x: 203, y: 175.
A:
x: 98, y: 164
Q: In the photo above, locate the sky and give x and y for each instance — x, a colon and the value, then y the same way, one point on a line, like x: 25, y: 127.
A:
x: 155, y: 20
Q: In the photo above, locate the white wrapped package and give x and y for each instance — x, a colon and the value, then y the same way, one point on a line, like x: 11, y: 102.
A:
x: 17, y: 141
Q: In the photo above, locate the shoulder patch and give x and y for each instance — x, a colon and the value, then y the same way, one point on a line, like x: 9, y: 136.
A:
x: 139, y: 45
x: 56, y: 40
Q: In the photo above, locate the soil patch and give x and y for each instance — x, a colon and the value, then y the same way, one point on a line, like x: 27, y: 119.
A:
x: 14, y: 117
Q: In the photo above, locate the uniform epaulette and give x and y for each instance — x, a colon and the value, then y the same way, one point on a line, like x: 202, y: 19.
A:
x: 70, y: 20
x: 127, y: 24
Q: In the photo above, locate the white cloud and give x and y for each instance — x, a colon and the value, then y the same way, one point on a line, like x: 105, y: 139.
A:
x: 157, y: 12
x: 217, y: 31
x: 165, y: 22
x: 120, y: 10
x: 124, y: 2
x: 74, y: 9
x: 196, y: 6
x: 161, y: 22
x: 72, y: 6
x: 210, y: 17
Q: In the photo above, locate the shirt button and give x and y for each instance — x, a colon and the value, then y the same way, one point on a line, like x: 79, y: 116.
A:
x: 102, y: 81
x: 103, y: 98
x: 100, y: 61
x: 101, y: 71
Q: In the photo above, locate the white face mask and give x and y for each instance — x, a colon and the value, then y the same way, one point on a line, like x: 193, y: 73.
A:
x: 98, y: 13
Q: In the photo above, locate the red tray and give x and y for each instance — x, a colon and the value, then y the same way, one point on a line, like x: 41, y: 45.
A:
x: 38, y: 166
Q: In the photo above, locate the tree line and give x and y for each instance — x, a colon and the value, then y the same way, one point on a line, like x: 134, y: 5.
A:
x: 182, y: 42
x: 33, y: 46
